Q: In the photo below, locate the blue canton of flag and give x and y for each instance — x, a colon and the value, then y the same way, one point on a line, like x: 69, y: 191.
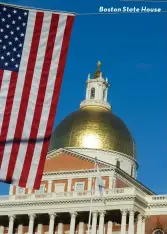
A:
x: 13, y: 24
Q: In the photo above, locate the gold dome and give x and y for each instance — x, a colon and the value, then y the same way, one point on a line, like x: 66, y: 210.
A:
x: 95, y: 128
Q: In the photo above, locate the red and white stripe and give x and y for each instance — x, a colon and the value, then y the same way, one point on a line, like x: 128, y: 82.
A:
x: 29, y: 99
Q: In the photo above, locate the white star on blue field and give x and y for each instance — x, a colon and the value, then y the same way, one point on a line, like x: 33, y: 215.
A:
x: 12, y: 33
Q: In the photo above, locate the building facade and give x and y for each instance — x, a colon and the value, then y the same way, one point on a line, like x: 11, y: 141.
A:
x: 69, y: 188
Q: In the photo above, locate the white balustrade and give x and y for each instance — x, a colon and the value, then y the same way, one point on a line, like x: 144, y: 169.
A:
x: 73, y: 194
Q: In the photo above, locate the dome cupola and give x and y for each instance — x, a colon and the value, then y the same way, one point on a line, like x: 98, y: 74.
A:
x: 96, y: 91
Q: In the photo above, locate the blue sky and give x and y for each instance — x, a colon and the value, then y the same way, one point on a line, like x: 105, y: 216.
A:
x: 133, y: 52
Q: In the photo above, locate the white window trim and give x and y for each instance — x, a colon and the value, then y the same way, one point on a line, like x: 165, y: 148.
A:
x: 38, y: 191
x: 104, y: 182
x: 59, y: 184
x: 17, y: 190
x: 82, y: 182
x: 158, y: 229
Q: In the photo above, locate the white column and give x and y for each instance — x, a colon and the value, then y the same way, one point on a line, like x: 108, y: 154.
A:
x: 11, y: 190
x: 89, y: 184
x: 123, y: 222
x: 109, y: 227
x: 143, y: 225
x: 131, y: 222
x: 100, y: 92
x: 114, y: 182
x: 81, y: 228
x: 11, y: 224
x: 101, y: 222
x: 2, y: 229
x: 31, y: 223
x: 86, y: 93
x: 139, y: 224
x: 72, y: 224
x: 60, y: 228
x: 51, y: 223
x: 20, y: 229
x: 94, y: 222
x: 40, y: 228
x: 69, y: 185
x: 49, y: 186
x: 29, y: 191
x: 110, y: 182
x: 106, y: 95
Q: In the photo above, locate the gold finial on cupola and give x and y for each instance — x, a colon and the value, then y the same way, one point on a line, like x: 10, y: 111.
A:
x: 98, y: 73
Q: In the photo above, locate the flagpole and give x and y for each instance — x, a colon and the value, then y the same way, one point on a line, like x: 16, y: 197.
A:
x: 92, y: 188
x: 102, y: 197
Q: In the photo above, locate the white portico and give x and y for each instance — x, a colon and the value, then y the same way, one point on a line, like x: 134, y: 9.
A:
x: 125, y: 211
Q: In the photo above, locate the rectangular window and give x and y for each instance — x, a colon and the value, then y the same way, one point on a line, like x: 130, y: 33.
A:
x: 59, y: 187
x: 41, y: 189
x: 131, y: 170
x: 79, y: 186
x: 19, y: 190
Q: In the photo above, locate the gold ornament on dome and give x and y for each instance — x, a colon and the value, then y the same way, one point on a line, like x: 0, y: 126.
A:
x: 98, y: 72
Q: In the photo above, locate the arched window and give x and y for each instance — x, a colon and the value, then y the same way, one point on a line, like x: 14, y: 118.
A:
x: 92, y: 93
x: 158, y: 231
x: 104, y: 94
x: 131, y: 170
x: 118, y: 164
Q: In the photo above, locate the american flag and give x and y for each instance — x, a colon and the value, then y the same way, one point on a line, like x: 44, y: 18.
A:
x: 33, y: 49
x: 100, y: 182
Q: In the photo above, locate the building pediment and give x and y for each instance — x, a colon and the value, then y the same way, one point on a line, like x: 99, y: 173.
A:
x: 66, y: 160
